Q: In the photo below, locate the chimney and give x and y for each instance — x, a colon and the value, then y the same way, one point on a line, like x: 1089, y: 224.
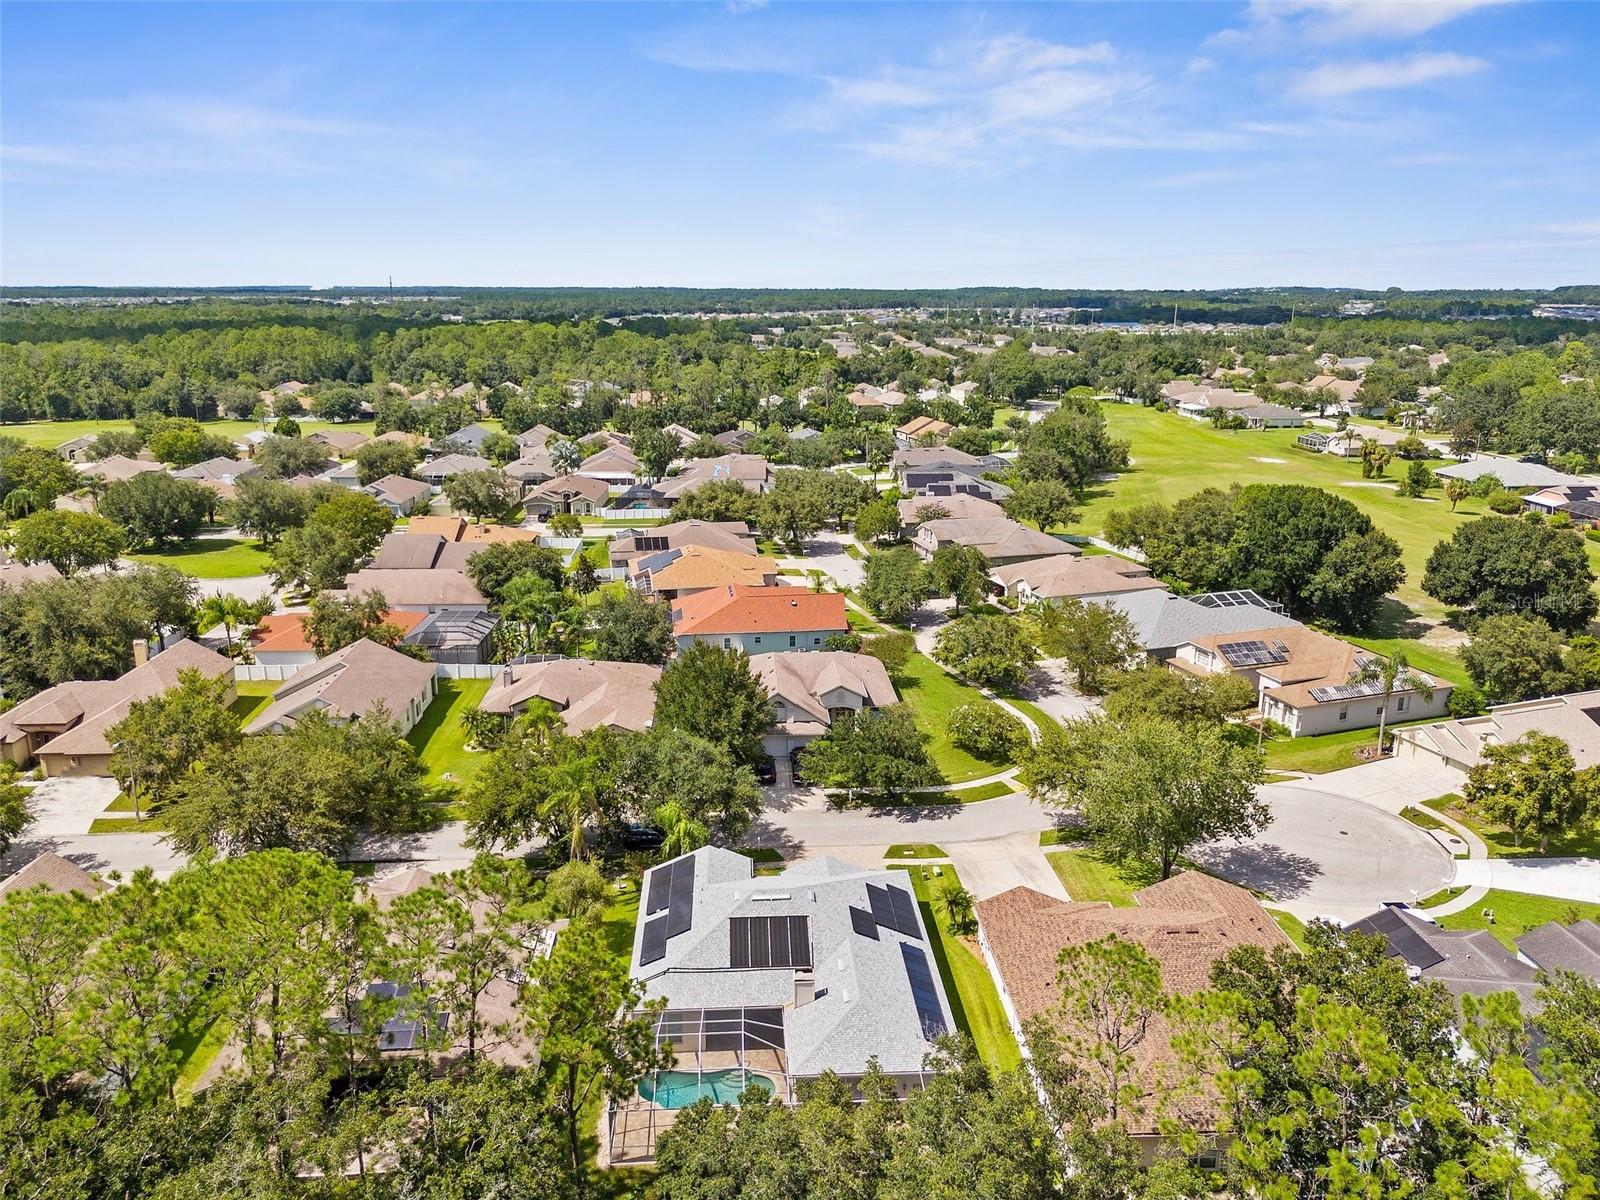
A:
x: 141, y: 652
x: 805, y: 988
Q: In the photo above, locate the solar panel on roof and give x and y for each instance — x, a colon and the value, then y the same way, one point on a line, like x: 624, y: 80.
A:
x: 654, y: 944
x: 923, y: 993
x: 680, y: 898
x: 1347, y: 691
x: 882, y: 906
x: 769, y: 942
x: 1402, y: 938
x: 861, y: 921
x: 660, y: 886
x: 800, y: 941
x: 905, y: 913
x: 1253, y: 653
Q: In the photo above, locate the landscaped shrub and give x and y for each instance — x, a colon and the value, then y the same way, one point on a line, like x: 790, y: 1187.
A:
x: 1504, y: 502
x: 987, y: 731
x: 1465, y: 701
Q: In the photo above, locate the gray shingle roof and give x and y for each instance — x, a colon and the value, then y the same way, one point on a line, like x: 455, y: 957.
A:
x: 1557, y: 947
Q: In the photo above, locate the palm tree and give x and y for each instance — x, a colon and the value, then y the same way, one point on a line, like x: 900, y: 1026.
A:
x: 20, y: 502
x: 227, y: 611
x: 1395, y: 674
x: 572, y: 798
x: 681, y: 832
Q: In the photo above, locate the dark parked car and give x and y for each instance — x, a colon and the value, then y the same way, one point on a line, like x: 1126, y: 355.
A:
x: 639, y: 836
x: 766, y: 771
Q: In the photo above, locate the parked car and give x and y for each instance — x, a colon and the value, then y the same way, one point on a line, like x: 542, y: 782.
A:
x: 641, y: 836
x: 766, y: 771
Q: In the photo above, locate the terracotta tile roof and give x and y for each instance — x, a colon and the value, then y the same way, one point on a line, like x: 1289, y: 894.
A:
x: 925, y: 427
x: 285, y: 633
x: 758, y: 610
x: 1186, y: 924
x: 703, y: 567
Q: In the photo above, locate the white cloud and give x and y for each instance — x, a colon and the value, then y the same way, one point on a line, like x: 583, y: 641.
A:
x: 1576, y: 228
x: 1323, y: 19
x: 1366, y: 75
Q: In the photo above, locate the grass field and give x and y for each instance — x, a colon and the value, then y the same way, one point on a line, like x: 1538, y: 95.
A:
x: 50, y: 434
x: 1174, y: 456
x: 1515, y: 914
x: 1293, y: 927
x: 1088, y: 876
x: 441, y: 740
x: 214, y: 558
x: 1326, y: 752
x: 932, y: 695
x: 974, y: 999
x: 1502, y: 843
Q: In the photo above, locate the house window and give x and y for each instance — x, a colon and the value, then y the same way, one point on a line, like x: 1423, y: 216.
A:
x: 727, y: 643
x: 758, y: 639
x: 791, y: 639
x: 1400, y: 703
x: 816, y: 641
x: 1344, y: 713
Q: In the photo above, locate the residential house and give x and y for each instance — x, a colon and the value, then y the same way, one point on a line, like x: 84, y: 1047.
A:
x: 15, y: 574
x: 615, y: 465
x: 406, y: 551
x: 77, y: 449
x: 915, y: 509
x: 810, y: 691
x: 1065, y: 577
x: 65, y: 726
x: 532, y: 469
x: 684, y: 435
x: 1555, y: 946
x: 1198, y: 402
x: 1162, y: 622
x: 1186, y: 924
x: 734, y: 439
x: 1574, y: 718
x: 350, y: 684
x: 750, y: 470
x: 919, y: 431
x: 773, y: 980
x: 1511, y: 472
x: 54, y: 874
x: 1270, y: 416
x: 535, y: 439
x: 400, y: 494
x: 343, y: 443
x: 759, y: 619
x: 436, y: 470
x: 1467, y: 962
x: 732, y: 536
x: 1001, y: 539
x: 867, y: 396
x: 419, y: 590
x: 279, y: 639
x: 1303, y: 679
x: 1579, y: 501
x: 579, y: 494
x: 416, y: 441
x: 685, y: 570
x: 938, y: 484
x: 118, y: 468
x: 216, y: 470
x: 923, y: 459
x: 589, y: 694
x: 469, y: 439
x: 344, y: 474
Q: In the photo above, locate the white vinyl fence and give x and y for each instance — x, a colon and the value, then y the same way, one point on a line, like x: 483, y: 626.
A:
x: 274, y: 672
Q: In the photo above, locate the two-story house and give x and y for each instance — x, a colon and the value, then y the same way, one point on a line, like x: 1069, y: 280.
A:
x: 759, y: 619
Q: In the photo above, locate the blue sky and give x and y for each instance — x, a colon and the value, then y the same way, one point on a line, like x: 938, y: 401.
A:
x: 1368, y: 144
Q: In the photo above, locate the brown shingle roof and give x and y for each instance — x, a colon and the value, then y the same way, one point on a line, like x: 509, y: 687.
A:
x: 348, y: 684
x: 1186, y: 924
x: 588, y: 693
x: 53, y: 873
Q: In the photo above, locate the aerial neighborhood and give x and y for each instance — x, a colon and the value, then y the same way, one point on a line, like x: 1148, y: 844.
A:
x: 831, y: 740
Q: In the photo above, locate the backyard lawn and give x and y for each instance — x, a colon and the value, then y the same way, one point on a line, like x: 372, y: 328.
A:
x: 974, y: 999
x: 1516, y: 913
x: 440, y: 738
x: 50, y: 434
x: 1087, y: 876
x: 252, y: 696
x: 1174, y: 456
x: 214, y: 558
x: 932, y: 695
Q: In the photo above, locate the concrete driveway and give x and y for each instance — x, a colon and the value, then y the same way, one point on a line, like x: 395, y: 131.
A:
x: 1561, y: 878
x: 1391, y: 783
x: 827, y: 554
x: 997, y: 865
x: 1323, y: 854
x: 1051, y: 688
x: 63, y: 810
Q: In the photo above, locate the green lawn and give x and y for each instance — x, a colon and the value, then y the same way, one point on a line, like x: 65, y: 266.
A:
x: 50, y: 434
x: 1087, y: 876
x: 1502, y: 843
x: 915, y: 850
x: 440, y: 738
x: 1515, y: 914
x: 1439, y: 661
x: 253, y: 696
x: 1040, y: 718
x: 1293, y: 927
x: 1326, y: 752
x: 129, y: 824
x: 862, y: 623
x: 984, y: 791
x: 1174, y: 456
x: 214, y: 558
x: 974, y: 999
x: 932, y: 695
x: 197, y: 1049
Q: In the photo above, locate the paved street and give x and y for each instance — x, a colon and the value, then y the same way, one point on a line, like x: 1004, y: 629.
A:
x: 1324, y: 854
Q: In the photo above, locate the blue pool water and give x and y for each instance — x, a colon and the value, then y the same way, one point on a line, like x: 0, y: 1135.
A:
x: 680, y: 1089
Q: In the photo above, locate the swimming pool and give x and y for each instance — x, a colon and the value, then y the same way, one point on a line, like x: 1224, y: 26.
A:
x: 680, y: 1089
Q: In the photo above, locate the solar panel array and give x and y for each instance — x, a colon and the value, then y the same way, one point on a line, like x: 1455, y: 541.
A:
x: 926, y: 996
x: 1254, y: 654
x: 861, y: 920
x: 769, y: 941
x: 1347, y: 691
x: 1235, y: 598
x: 893, y: 908
x: 671, y: 894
